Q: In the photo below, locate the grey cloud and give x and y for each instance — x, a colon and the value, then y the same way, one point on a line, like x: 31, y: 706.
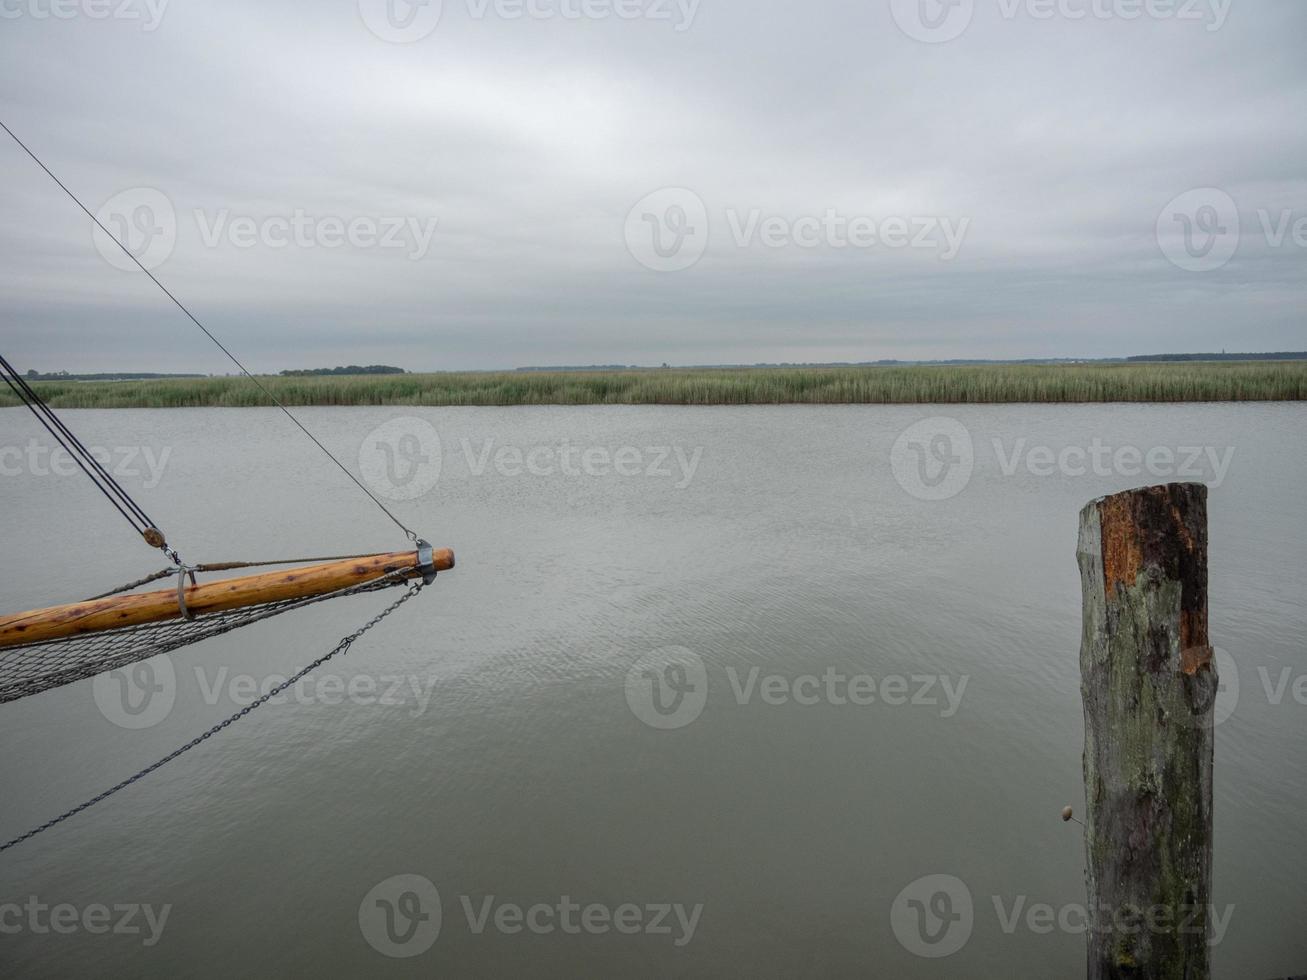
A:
x: 1061, y: 141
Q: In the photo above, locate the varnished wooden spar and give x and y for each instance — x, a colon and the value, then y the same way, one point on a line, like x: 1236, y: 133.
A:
x: 112, y: 612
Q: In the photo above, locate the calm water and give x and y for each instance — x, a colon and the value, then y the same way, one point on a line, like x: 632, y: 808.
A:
x: 509, y: 767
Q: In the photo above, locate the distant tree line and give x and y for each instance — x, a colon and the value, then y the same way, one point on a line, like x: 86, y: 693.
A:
x: 349, y: 369
x: 1223, y: 356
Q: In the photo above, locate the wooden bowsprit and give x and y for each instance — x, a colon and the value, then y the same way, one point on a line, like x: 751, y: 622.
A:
x: 47, y: 648
x: 119, y: 611
x: 426, y: 573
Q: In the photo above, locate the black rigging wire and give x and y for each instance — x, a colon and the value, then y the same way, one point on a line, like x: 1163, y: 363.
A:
x: 232, y: 357
x: 83, y: 457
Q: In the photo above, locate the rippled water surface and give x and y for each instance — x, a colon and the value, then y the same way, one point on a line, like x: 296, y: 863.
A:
x: 482, y: 738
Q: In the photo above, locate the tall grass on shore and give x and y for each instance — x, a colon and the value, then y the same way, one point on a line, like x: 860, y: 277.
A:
x: 929, y: 384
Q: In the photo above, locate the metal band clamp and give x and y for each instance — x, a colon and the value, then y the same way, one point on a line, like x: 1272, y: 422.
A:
x: 426, y: 561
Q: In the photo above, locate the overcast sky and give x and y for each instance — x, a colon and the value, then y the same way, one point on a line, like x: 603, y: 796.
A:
x: 356, y: 181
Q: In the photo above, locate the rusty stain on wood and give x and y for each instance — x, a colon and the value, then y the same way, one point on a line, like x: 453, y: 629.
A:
x: 1122, y: 555
x: 1147, y: 532
x: 1194, y: 659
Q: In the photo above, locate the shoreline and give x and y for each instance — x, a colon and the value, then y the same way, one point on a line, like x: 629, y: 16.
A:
x: 1001, y: 384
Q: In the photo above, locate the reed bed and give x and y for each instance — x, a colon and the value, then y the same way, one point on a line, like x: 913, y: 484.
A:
x: 927, y: 384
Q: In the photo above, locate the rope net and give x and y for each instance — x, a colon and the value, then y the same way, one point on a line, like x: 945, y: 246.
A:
x: 35, y: 667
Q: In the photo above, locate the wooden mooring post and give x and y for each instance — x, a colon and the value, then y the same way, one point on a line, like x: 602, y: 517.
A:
x: 1148, y: 684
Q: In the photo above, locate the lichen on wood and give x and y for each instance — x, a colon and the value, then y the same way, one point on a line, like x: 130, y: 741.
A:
x: 1148, y: 684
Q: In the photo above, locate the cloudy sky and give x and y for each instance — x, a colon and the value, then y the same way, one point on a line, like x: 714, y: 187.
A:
x: 497, y: 183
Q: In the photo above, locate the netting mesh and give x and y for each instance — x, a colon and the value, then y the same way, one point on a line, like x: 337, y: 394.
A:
x: 36, y: 667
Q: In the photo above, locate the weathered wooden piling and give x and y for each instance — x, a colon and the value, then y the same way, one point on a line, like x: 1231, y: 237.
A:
x: 1148, y: 684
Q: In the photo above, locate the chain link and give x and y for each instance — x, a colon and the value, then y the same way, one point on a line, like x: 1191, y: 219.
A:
x: 341, y: 647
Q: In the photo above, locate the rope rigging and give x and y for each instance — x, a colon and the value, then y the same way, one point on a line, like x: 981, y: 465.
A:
x: 411, y: 535
x: 49, y: 648
x: 86, y: 460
